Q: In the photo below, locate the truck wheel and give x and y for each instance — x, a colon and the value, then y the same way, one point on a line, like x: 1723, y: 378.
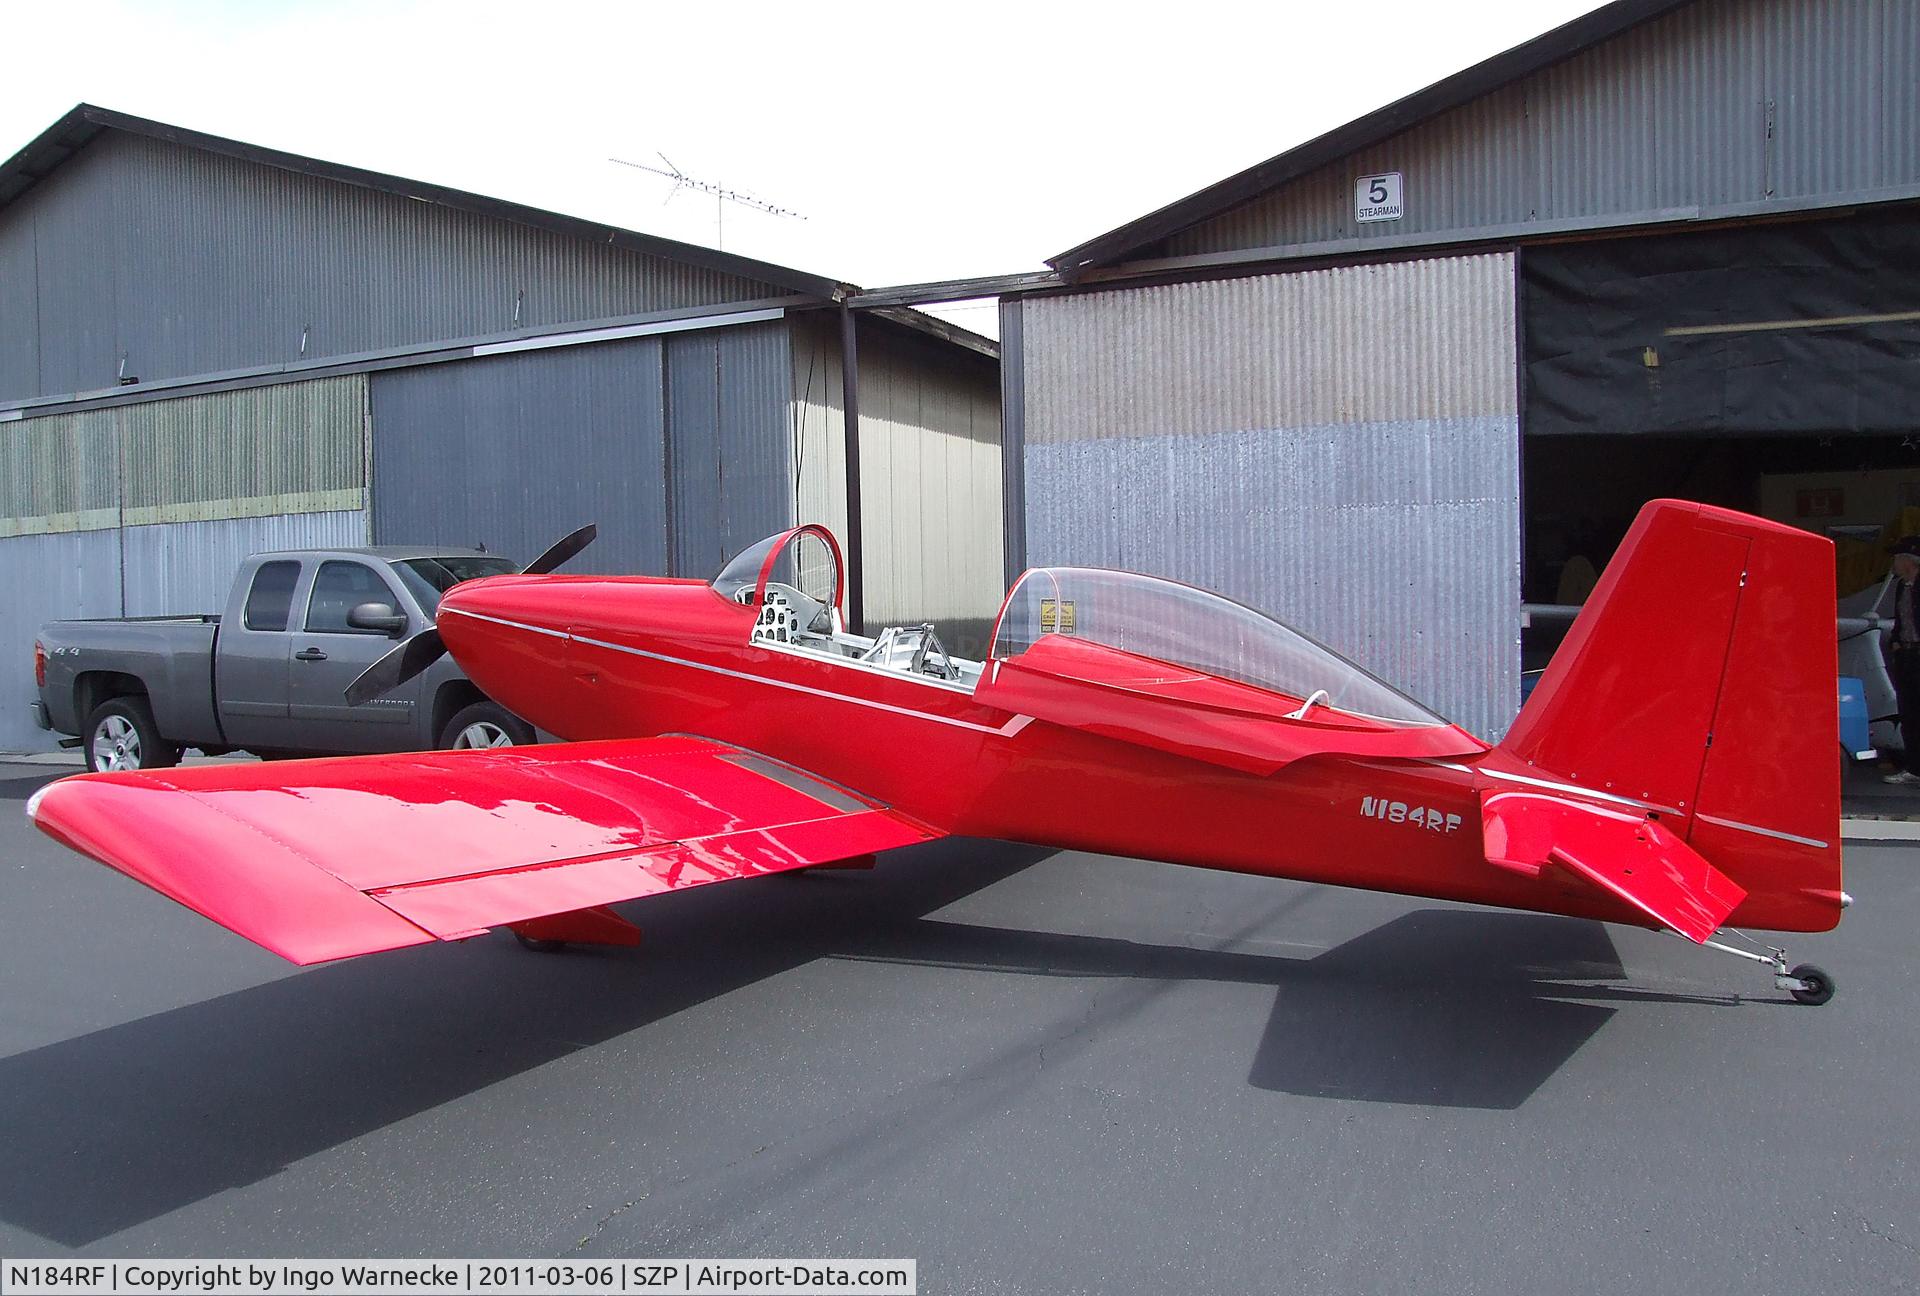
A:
x: 485, y: 724
x: 121, y: 735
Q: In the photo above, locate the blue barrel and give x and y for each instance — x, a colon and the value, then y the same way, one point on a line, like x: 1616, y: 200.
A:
x: 1853, y: 719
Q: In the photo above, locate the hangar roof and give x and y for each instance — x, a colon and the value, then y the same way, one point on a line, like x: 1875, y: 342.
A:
x: 1523, y: 60
x: 80, y: 126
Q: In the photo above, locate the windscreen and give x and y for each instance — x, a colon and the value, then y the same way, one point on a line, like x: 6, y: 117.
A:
x: 428, y: 578
x: 736, y: 580
x: 805, y: 563
x: 1189, y: 627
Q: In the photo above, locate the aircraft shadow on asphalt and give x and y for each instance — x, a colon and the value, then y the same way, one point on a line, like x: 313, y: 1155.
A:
x: 128, y: 1123
x: 1441, y: 1007
x: 1438, y: 1007
x: 123, y: 1125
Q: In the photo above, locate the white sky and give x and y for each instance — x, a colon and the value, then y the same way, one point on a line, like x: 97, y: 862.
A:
x: 920, y: 141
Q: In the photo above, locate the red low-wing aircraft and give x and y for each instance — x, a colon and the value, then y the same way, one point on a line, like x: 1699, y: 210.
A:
x: 1674, y: 769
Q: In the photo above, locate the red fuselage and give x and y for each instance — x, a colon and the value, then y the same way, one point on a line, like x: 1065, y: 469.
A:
x: 1392, y: 809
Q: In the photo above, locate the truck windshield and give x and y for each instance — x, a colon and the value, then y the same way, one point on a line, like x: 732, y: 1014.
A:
x: 428, y: 578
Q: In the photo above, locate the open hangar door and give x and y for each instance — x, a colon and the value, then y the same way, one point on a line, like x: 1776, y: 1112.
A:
x: 1769, y: 368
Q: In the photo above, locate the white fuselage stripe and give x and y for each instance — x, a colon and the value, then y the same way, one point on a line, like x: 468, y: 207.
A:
x: 1602, y: 811
x: 1716, y: 820
x: 1007, y: 730
x: 1555, y: 787
x: 1764, y: 832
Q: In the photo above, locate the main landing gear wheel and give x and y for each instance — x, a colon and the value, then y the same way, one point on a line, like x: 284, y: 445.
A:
x: 539, y: 946
x: 1816, y: 984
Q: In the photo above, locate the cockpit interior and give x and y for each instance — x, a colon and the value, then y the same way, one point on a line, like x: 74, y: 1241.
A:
x: 795, y: 580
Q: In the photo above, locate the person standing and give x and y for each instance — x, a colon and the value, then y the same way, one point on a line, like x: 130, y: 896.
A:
x: 1903, y: 657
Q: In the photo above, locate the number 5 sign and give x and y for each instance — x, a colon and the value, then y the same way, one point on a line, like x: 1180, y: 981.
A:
x: 1377, y: 197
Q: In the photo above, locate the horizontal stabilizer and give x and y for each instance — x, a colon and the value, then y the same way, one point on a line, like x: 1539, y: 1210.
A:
x: 326, y: 859
x: 1633, y: 858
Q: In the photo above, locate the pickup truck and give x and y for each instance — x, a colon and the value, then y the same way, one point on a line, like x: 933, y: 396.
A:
x: 268, y: 676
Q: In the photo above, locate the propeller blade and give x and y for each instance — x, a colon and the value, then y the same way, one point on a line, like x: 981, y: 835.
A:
x: 400, y: 664
x: 411, y: 656
x: 563, y: 549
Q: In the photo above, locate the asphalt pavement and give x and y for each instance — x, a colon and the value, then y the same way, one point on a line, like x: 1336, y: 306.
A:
x: 1032, y: 1072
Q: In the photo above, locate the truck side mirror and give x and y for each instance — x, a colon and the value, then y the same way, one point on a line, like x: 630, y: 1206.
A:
x: 378, y: 616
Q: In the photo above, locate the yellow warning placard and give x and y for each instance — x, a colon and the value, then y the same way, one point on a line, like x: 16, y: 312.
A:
x: 1056, y: 616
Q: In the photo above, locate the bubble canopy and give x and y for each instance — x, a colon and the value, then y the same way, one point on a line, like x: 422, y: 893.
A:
x: 1162, y: 623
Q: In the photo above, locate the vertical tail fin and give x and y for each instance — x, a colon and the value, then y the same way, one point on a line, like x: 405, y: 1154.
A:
x: 1700, y: 678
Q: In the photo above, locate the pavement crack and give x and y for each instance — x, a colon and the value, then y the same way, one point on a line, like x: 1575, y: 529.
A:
x: 1085, y: 1026
x: 607, y: 1219
x: 1867, y: 1227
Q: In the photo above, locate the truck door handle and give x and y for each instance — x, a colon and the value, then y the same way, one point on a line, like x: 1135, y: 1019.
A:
x: 310, y: 654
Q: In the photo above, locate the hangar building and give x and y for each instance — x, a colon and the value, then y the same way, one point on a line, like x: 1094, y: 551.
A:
x: 209, y: 349
x: 1391, y: 381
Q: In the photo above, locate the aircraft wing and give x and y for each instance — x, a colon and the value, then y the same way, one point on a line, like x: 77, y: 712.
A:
x: 326, y: 859
x: 1635, y: 859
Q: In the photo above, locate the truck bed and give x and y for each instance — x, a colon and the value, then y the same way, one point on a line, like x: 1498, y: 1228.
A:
x: 172, y: 656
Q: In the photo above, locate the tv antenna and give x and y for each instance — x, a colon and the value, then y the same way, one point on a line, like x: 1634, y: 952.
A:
x: 721, y: 194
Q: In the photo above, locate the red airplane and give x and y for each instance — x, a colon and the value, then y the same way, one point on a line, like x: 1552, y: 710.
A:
x: 1674, y: 769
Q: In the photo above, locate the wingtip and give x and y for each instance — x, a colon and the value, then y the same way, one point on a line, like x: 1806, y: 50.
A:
x: 37, y: 803
x: 171, y: 840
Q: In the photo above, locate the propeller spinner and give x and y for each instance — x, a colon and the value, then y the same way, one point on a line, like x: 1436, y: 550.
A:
x: 417, y: 652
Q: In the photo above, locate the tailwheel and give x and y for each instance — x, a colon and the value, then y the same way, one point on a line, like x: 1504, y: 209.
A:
x: 539, y: 946
x: 1805, y: 982
x: 1815, y: 984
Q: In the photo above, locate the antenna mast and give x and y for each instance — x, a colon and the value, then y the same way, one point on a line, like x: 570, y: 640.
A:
x: 720, y: 193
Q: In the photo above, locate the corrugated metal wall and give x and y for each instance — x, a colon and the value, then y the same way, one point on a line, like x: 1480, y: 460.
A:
x: 930, y: 469
x: 1338, y: 448
x: 184, y: 262
x: 729, y: 442
x: 819, y: 423
x: 517, y: 450
x: 257, y: 452
x: 199, y: 482
x: 930, y: 488
x: 1672, y: 114
x: 45, y: 578
x: 19, y: 324
x: 62, y: 473
x: 290, y: 448
x: 188, y: 566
